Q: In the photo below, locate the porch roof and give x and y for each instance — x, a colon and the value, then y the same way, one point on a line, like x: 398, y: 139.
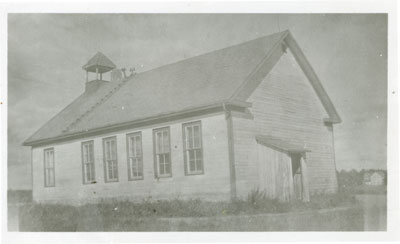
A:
x: 280, y: 144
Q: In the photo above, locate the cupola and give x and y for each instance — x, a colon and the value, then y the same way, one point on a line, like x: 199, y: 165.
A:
x: 99, y: 65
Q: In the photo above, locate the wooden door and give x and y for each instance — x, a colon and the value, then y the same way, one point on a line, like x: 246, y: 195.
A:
x: 297, y: 179
x: 275, y: 173
x: 299, y: 172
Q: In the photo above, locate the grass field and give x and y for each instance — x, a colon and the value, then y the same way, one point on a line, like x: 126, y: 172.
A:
x: 110, y: 214
x: 364, y: 189
x: 354, y: 206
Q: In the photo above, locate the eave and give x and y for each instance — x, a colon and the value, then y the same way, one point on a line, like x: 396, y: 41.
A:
x: 160, y: 118
x: 280, y: 145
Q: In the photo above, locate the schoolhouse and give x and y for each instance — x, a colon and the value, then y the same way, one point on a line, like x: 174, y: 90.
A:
x: 215, y: 126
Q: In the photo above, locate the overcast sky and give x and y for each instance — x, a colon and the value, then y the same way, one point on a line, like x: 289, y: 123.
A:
x: 46, y: 53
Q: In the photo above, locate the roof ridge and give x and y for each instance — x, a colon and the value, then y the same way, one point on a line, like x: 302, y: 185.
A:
x: 98, y: 103
x: 215, y: 50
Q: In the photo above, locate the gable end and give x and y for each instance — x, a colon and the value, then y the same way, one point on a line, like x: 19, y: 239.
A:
x: 262, y: 70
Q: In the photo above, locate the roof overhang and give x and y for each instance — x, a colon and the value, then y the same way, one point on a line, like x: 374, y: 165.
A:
x: 149, y: 121
x: 332, y: 120
x: 280, y: 144
x: 100, y: 69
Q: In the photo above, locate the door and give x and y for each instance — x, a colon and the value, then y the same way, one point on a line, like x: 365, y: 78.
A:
x: 299, y: 172
x: 297, y: 178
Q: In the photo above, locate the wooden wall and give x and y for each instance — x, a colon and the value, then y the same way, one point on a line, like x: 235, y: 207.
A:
x: 285, y: 106
x: 214, y: 184
x: 275, y: 173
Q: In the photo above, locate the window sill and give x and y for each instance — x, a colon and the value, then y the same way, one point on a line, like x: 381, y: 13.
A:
x: 163, y: 176
x: 195, y: 173
x: 90, y: 182
x: 136, y: 179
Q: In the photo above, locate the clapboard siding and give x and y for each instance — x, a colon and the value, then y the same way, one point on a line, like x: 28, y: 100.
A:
x: 285, y: 106
x: 275, y: 173
x: 214, y: 184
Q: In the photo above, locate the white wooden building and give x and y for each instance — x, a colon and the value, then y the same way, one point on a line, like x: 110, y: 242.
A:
x: 376, y: 178
x: 215, y: 127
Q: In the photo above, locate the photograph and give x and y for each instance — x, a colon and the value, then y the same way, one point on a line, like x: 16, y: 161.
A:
x: 197, y: 122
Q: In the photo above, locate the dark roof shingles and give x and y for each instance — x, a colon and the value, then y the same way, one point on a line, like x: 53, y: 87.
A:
x: 202, y: 80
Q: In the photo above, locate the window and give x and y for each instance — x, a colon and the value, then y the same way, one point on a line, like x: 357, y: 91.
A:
x: 88, y: 170
x: 110, y: 159
x: 135, y: 156
x: 49, y: 177
x: 192, y: 146
x: 162, y: 152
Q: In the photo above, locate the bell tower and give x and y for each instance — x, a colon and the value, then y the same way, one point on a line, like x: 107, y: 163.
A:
x: 99, y: 65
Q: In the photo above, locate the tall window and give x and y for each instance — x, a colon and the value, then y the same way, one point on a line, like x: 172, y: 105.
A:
x: 110, y: 159
x: 192, y: 146
x: 88, y: 162
x: 162, y: 152
x: 49, y: 176
x: 135, y: 156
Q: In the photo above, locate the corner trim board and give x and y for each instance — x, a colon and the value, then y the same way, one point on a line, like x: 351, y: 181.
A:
x: 231, y: 152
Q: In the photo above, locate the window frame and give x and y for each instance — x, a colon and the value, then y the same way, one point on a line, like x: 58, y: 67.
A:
x: 45, y: 168
x: 106, y: 180
x: 185, y: 159
x: 156, y: 164
x: 128, y: 136
x: 84, y: 180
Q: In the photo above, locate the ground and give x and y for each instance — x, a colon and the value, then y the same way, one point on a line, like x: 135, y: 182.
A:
x: 335, y: 213
x: 375, y: 211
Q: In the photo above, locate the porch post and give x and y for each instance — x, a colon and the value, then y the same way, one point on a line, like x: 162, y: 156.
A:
x: 304, y: 179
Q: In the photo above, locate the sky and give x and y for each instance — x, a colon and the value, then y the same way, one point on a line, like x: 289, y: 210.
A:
x: 46, y: 53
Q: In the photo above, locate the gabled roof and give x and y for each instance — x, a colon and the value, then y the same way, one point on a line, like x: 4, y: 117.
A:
x: 280, y: 145
x: 204, y: 81
x: 100, y: 61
